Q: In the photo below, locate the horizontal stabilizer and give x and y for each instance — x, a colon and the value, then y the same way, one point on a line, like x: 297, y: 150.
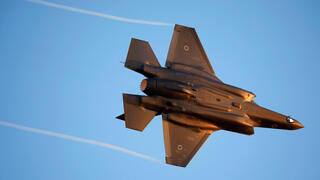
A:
x: 140, y: 53
x: 136, y: 116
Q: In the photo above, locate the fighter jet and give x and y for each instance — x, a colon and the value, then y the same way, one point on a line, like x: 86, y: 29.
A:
x: 192, y: 100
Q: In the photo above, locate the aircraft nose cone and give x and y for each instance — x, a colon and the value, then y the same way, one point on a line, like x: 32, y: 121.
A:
x: 294, y: 123
x: 298, y: 125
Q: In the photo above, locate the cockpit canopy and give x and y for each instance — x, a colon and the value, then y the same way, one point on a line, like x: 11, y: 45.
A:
x: 290, y: 119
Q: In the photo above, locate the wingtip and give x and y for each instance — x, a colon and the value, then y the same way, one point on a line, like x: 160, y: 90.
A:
x: 175, y: 162
x: 180, y: 27
x: 135, y: 39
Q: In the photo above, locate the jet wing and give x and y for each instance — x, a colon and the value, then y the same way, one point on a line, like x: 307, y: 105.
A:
x: 182, y: 142
x: 186, y: 52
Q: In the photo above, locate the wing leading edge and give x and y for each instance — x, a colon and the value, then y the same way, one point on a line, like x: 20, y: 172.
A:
x: 182, y: 142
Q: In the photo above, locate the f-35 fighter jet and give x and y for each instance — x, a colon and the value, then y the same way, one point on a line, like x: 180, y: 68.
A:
x: 192, y: 100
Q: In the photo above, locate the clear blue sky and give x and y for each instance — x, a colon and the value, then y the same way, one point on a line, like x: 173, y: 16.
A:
x: 60, y: 71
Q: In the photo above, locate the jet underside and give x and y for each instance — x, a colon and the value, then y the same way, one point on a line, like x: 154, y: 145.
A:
x: 193, y: 102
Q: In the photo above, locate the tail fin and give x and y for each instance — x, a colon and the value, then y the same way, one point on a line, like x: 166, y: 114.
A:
x: 136, y: 116
x: 140, y: 53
